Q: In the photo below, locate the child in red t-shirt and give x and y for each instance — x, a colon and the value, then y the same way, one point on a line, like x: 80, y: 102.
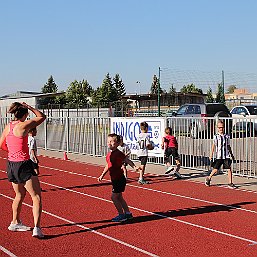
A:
x: 115, y: 159
x: 170, y: 144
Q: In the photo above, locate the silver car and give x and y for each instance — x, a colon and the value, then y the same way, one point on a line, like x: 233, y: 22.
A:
x: 245, y: 119
x: 197, y: 120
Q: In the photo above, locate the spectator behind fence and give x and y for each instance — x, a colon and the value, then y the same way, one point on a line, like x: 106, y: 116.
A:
x: 20, y: 170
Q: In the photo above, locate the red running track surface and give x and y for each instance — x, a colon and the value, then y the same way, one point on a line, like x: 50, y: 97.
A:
x: 171, y: 217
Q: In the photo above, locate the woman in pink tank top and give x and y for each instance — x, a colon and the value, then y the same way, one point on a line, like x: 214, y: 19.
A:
x: 20, y: 170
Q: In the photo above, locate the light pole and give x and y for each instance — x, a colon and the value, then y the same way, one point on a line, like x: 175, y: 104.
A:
x: 158, y: 99
x: 138, y: 82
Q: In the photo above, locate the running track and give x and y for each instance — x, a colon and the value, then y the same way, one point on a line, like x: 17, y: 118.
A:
x: 171, y: 217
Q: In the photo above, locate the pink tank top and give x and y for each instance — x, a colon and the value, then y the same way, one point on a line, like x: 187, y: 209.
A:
x: 18, y: 149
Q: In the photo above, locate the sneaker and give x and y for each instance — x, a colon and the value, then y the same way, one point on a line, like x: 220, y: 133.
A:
x: 178, y: 175
x: 142, y: 182
x: 128, y: 216
x: 37, y: 232
x: 18, y: 227
x: 232, y: 186
x: 169, y: 170
x: 207, y: 182
x: 119, y: 218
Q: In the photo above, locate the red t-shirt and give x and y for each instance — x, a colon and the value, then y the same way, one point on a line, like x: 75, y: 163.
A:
x: 170, y: 141
x: 115, y: 159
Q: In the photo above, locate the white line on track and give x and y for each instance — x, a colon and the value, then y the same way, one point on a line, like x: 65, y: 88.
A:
x: 89, y: 229
x: 252, y: 242
x: 7, y: 252
x: 157, y: 191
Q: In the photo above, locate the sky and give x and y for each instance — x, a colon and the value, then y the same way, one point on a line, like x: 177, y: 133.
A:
x: 80, y: 39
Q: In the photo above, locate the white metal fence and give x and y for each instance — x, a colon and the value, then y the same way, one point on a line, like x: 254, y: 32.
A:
x: 194, y: 135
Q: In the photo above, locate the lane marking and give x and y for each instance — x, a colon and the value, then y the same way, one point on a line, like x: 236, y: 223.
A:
x: 7, y: 251
x: 89, y: 229
x: 157, y: 191
x: 252, y: 242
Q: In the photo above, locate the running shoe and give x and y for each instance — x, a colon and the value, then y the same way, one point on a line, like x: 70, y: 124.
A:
x: 232, y: 186
x: 142, y: 182
x: 169, y: 170
x: 119, y: 218
x: 37, y: 232
x: 128, y: 216
x: 207, y: 182
x: 18, y: 227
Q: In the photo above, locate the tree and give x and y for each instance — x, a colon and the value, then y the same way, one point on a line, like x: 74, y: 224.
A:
x: 77, y: 94
x: 155, y: 85
x: 49, y: 87
x: 209, y: 98
x: 119, y: 86
x: 191, y: 88
x: 231, y: 89
x: 172, y: 90
x: 106, y: 93
x: 220, y: 98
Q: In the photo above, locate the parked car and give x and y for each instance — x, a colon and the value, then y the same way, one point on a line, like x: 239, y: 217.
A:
x: 245, y: 119
x: 197, y: 119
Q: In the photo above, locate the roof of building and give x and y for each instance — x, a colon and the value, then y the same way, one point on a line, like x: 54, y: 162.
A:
x: 25, y: 94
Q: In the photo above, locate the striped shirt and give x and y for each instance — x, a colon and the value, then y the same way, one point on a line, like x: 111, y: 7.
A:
x: 221, y: 143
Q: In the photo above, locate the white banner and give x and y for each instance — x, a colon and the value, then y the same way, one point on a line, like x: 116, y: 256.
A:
x: 129, y: 128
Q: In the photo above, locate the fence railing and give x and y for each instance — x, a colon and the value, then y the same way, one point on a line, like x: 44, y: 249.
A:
x: 194, y: 136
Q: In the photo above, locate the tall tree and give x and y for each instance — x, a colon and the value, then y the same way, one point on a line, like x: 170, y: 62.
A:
x: 172, y: 90
x: 49, y: 87
x: 220, y: 98
x: 155, y: 85
x: 209, y: 98
x: 77, y: 94
x: 119, y: 86
x: 106, y: 93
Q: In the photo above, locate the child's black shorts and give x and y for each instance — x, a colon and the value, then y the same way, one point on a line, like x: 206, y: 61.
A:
x: 118, y: 185
x: 171, y: 151
x: 216, y: 164
x: 143, y: 159
x: 20, y: 172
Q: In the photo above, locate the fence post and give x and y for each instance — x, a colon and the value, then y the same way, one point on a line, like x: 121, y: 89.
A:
x: 94, y: 137
x: 67, y: 135
x: 45, y: 130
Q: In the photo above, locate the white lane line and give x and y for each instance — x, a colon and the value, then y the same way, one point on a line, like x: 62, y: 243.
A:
x: 252, y: 242
x: 89, y: 229
x: 7, y: 252
x: 158, y: 191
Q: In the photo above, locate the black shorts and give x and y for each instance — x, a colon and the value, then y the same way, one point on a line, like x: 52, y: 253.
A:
x: 216, y: 164
x: 171, y: 151
x: 143, y: 160
x: 118, y: 185
x: 20, y: 172
x: 35, y: 165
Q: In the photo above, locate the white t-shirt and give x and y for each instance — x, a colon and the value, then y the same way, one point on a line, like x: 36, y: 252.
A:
x: 143, y: 141
x: 124, y: 149
x: 32, y: 146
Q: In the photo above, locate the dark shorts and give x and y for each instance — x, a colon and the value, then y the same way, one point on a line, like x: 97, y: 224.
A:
x: 171, y: 151
x: 20, y: 172
x: 35, y: 165
x: 216, y: 164
x: 118, y: 185
x: 143, y: 160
